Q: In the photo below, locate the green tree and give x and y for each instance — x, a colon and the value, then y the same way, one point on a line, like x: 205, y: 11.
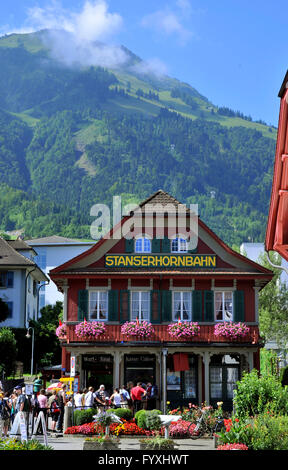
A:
x: 8, y: 351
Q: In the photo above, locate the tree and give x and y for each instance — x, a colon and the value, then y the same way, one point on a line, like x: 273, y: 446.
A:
x: 8, y: 351
x: 47, y: 346
x: 273, y: 305
x: 4, y: 310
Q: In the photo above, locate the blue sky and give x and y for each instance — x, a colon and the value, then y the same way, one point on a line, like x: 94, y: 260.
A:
x: 233, y: 52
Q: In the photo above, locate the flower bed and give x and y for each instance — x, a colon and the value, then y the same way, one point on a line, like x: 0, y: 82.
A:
x: 127, y: 428
x: 134, y: 328
x: 183, y: 329
x: 89, y: 330
x: 233, y: 447
x: 231, y: 330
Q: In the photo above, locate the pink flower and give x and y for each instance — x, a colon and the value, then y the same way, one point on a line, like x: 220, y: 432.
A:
x: 184, y: 329
x: 90, y: 329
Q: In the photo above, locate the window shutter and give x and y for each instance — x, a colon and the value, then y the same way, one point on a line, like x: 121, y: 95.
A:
x: 155, y: 312
x: 10, y: 279
x: 82, y: 304
x: 129, y: 245
x: 124, y: 306
x: 166, y: 305
x: 197, y: 305
x: 208, y: 305
x: 113, y: 305
x: 238, y: 306
x: 156, y: 245
x: 166, y: 242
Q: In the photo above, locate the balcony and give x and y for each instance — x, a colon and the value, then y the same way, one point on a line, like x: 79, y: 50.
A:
x: 206, y: 335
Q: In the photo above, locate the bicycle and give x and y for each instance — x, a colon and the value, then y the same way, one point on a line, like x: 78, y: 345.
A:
x: 203, y: 428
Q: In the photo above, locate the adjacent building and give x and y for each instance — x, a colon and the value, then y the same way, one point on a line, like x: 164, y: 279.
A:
x: 20, y: 279
x: 160, y: 279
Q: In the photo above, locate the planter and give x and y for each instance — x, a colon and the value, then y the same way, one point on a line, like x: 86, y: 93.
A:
x: 184, y: 329
x: 231, y: 330
x: 92, y: 445
x: 158, y: 444
x: 89, y: 330
x: 137, y: 329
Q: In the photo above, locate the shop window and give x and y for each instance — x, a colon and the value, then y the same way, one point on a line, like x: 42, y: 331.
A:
x: 182, y: 306
x: 98, y: 305
x: 190, y: 383
x: 179, y: 245
x: 142, y: 245
x: 140, y: 305
x: 223, y: 306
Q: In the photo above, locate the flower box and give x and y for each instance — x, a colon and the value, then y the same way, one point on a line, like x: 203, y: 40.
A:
x: 231, y: 330
x: 141, y: 329
x: 61, y: 331
x: 101, y: 443
x: 158, y: 443
x: 183, y: 329
x: 89, y: 330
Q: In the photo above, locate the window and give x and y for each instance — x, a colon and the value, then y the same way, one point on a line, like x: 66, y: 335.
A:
x: 190, y: 390
x: 140, y: 305
x: 179, y: 245
x: 7, y: 279
x: 182, y: 306
x: 224, y: 306
x: 10, y: 308
x: 98, y: 305
x: 142, y: 245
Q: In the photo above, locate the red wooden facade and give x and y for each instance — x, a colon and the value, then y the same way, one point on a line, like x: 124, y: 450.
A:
x: 211, y: 358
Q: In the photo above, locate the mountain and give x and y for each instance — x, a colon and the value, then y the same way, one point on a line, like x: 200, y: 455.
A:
x: 75, y: 134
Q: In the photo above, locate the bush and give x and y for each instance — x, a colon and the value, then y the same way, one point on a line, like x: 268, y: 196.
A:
x: 147, y: 419
x: 269, y: 432
x: 255, y: 394
x: 83, y: 416
x: 123, y: 413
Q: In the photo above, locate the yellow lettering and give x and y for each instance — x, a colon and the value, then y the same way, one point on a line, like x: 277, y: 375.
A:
x: 109, y: 260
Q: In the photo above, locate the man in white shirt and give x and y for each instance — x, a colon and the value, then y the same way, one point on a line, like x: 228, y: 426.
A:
x: 89, y: 398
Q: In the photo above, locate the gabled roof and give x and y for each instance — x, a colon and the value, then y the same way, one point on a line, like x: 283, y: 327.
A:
x: 162, y: 197
x: 11, y: 259
x: 20, y: 245
x: 56, y: 240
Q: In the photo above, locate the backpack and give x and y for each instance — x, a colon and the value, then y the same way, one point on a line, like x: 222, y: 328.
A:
x: 4, y: 412
x: 55, y: 407
x: 27, y: 404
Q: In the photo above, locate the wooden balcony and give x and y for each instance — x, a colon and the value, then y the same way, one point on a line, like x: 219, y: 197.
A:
x: 206, y: 335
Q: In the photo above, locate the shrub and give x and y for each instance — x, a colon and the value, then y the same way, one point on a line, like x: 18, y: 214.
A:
x: 269, y: 432
x: 83, y: 416
x: 254, y: 394
x: 14, y: 444
x: 158, y: 443
x: 146, y: 418
x: 123, y: 413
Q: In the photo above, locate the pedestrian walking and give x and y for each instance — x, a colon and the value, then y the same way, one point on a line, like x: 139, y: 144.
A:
x: 89, y: 398
x: 4, y: 415
x: 54, y: 410
x: 62, y: 400
x: 116, y: 398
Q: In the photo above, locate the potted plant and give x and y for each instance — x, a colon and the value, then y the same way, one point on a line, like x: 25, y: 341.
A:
x: 231, y: 330
x: 183, y: 329
x: 61, y: 330
x: 104, y: 442
x: 105, y: 419
x: 135, y: 328
x: 89, y: 330
x: 157, y: 443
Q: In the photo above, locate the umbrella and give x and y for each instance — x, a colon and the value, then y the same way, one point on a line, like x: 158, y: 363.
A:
x: 53, y: 386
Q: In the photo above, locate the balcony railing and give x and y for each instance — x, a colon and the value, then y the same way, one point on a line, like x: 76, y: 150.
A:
x: 206, y: 335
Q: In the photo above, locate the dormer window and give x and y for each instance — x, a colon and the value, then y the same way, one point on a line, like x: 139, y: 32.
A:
x: 179, y: 245
x: 142, y: 245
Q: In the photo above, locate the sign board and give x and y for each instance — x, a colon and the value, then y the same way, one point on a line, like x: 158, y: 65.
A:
x: 76, y: 385
x: 160, y: 261
x: 19, y: 421
x: 72, y: 366
x: 29, y: 389
x: 41, y: 418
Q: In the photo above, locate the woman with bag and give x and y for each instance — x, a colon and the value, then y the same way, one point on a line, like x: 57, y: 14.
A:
x: 54, y: 410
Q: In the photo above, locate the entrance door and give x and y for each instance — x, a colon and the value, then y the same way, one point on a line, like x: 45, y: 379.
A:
x: 98, y: 369
x: 139, y: 368
x: 224, y: 374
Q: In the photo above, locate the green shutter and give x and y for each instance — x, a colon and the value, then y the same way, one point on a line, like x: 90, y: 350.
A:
x: 124, y: 306
x: 155, y: 312
x: 129, y: 245
x: 156, y: 245
x: 238, y: 306
x: 166, y: 307
x: 197, y: 305
x: 208, y: 305
x: 166, y: 243
x: 82, y: 304
x: 113, y: 305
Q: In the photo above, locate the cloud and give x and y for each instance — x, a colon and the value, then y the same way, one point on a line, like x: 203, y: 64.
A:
x: 152, y: 66
x: 169, y: 22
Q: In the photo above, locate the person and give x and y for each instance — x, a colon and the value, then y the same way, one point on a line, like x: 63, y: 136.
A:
x: 12, y: 405
x: 37, y: 385
x: 53, y: 406
x: 101, y: 398
x: 137, y: 394
x: 61, y: 397
x: 4, y: 415
x: 43, y: 403
x: 116, y: 398
x: 22, y: 404
x: 125, y: 397
x: 78, y: 400
x: 89, y: 398
x: 152, y: 395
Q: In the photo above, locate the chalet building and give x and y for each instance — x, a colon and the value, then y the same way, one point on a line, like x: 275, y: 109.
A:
x: 277, y: 226
x: 162, y: 281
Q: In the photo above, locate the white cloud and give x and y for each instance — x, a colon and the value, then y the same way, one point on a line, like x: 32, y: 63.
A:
x: 152, y: 66
x: 168, y: 23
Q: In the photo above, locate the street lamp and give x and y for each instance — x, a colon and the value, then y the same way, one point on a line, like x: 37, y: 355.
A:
x: 32, y: 354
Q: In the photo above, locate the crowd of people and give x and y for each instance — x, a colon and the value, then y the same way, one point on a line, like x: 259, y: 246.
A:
x: 53, y: 404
